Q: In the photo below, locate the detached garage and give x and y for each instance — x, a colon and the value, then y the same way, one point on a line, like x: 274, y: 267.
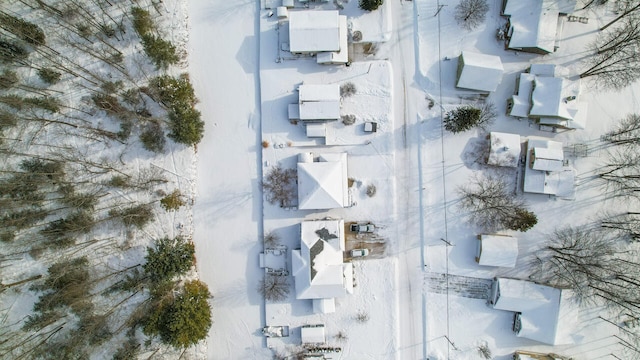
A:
x: 479, y: 71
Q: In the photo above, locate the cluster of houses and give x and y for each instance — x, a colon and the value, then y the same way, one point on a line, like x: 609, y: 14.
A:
x: 318, y: 266
x: 542, y: 95
x: 541, y: 313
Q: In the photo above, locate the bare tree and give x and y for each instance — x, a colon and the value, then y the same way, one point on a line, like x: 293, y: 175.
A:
x: 597, y: 266
x: 623, y: 225
x: 274, y: 287
x: 279, y: 186
x: 626, y: 131
x: 622, y: 171
x: 471, y: 13
x: 628, y: 7
x: 615, y: 64
x: 492, y: 206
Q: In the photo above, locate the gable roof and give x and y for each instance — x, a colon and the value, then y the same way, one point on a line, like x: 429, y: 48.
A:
x: 323, y: 184
x: 547, y: 314
x: 313, y: 31
x: 480, y: 71
x: 319, y: 102
x: 534, y: 23
x: 547, y: 158
x: 547, y: 99
x: 318, y: 267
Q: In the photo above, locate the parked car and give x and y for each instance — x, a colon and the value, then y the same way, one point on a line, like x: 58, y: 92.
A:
x: 359, y: 252
x: 363, y: 228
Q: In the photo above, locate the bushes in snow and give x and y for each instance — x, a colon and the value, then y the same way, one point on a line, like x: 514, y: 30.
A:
x: 370, y: 5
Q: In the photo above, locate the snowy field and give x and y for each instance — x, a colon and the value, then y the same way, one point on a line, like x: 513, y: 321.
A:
x: 234, y: 61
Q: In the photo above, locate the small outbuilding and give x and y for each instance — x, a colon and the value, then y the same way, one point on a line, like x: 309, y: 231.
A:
x: 313, y: 334
x: 479, y: 71
x: 497, y: 250
x: 504, y: 149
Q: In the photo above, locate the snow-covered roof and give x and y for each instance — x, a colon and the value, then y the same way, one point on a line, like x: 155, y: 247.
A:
x: 323, y: 184
x: 551, y: 100
x: 316, y: 130
x: 521, y: 102
x: 341, y: 56
x: 505, y: 149
x: 534, y: 23
x: 497, y: 250
x: 324, y: 306
x: 318, y: 102
x: 479, y: 71
x: 558, y: 180
x: 542, y: 69
x: 318, y: 267
x: 579, y: 120
x: 312, y: 334
x: 547, y: 314
x: 548, y: 158
x: 547, y: 99
x: 312, y: 31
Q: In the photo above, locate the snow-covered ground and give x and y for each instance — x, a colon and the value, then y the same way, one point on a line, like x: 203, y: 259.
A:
x: 416, y: 167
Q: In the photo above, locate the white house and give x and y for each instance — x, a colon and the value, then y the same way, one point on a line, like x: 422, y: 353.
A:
x: 533, y: 25
x: 322, y: 182
x: 548, y: 99
x: 546, y: 171
x: 542, y: 313
x: 504, y: 149
x: 318, y: 268
x: 479, y: 71
x: 321, y: 32
x: 497, y: 250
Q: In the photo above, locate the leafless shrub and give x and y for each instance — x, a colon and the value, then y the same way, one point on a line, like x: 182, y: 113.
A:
x: 341, y: 336
x: 271, y: 239
x: 348, y: 119
x: 484, y: 351
x: 357, y: 35
x: 362, y: 316
x: 347, y: 89
x: 371, y: 190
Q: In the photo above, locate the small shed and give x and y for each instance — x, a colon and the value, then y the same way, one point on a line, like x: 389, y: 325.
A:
x: 504, y: 150
x: 313, y: 334
x: 479, y: 71
x: 497, y: 250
